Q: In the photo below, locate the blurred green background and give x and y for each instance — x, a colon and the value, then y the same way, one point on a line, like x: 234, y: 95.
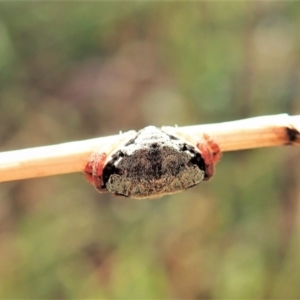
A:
x: 76, y: 70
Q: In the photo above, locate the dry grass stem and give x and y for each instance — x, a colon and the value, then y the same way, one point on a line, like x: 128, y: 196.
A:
x: 266, y: 131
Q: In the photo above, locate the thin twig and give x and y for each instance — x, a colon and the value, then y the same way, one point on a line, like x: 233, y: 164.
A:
x: 266, y: 131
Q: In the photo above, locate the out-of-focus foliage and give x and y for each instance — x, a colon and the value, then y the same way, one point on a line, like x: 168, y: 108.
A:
x: 76, y: 70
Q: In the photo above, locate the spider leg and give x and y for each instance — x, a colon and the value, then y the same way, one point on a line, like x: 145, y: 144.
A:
x: 94, y: 168
x: 208, y: 148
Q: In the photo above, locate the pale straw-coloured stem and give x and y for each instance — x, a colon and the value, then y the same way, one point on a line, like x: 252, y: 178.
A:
x: 265, y: 131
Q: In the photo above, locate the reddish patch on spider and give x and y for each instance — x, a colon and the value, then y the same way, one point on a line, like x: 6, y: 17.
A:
x: 94, y: 168
x: 210, y: 152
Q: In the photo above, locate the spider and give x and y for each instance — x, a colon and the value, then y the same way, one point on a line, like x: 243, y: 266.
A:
x: 153, y: 162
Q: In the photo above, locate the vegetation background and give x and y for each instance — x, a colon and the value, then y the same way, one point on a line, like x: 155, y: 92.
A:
x: 77, y: 70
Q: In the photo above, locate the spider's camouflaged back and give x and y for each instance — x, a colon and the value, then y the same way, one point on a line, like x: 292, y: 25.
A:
x: 153, y: 164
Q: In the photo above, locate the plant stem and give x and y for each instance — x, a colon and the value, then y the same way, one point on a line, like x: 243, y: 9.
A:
x: 265, y: 131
